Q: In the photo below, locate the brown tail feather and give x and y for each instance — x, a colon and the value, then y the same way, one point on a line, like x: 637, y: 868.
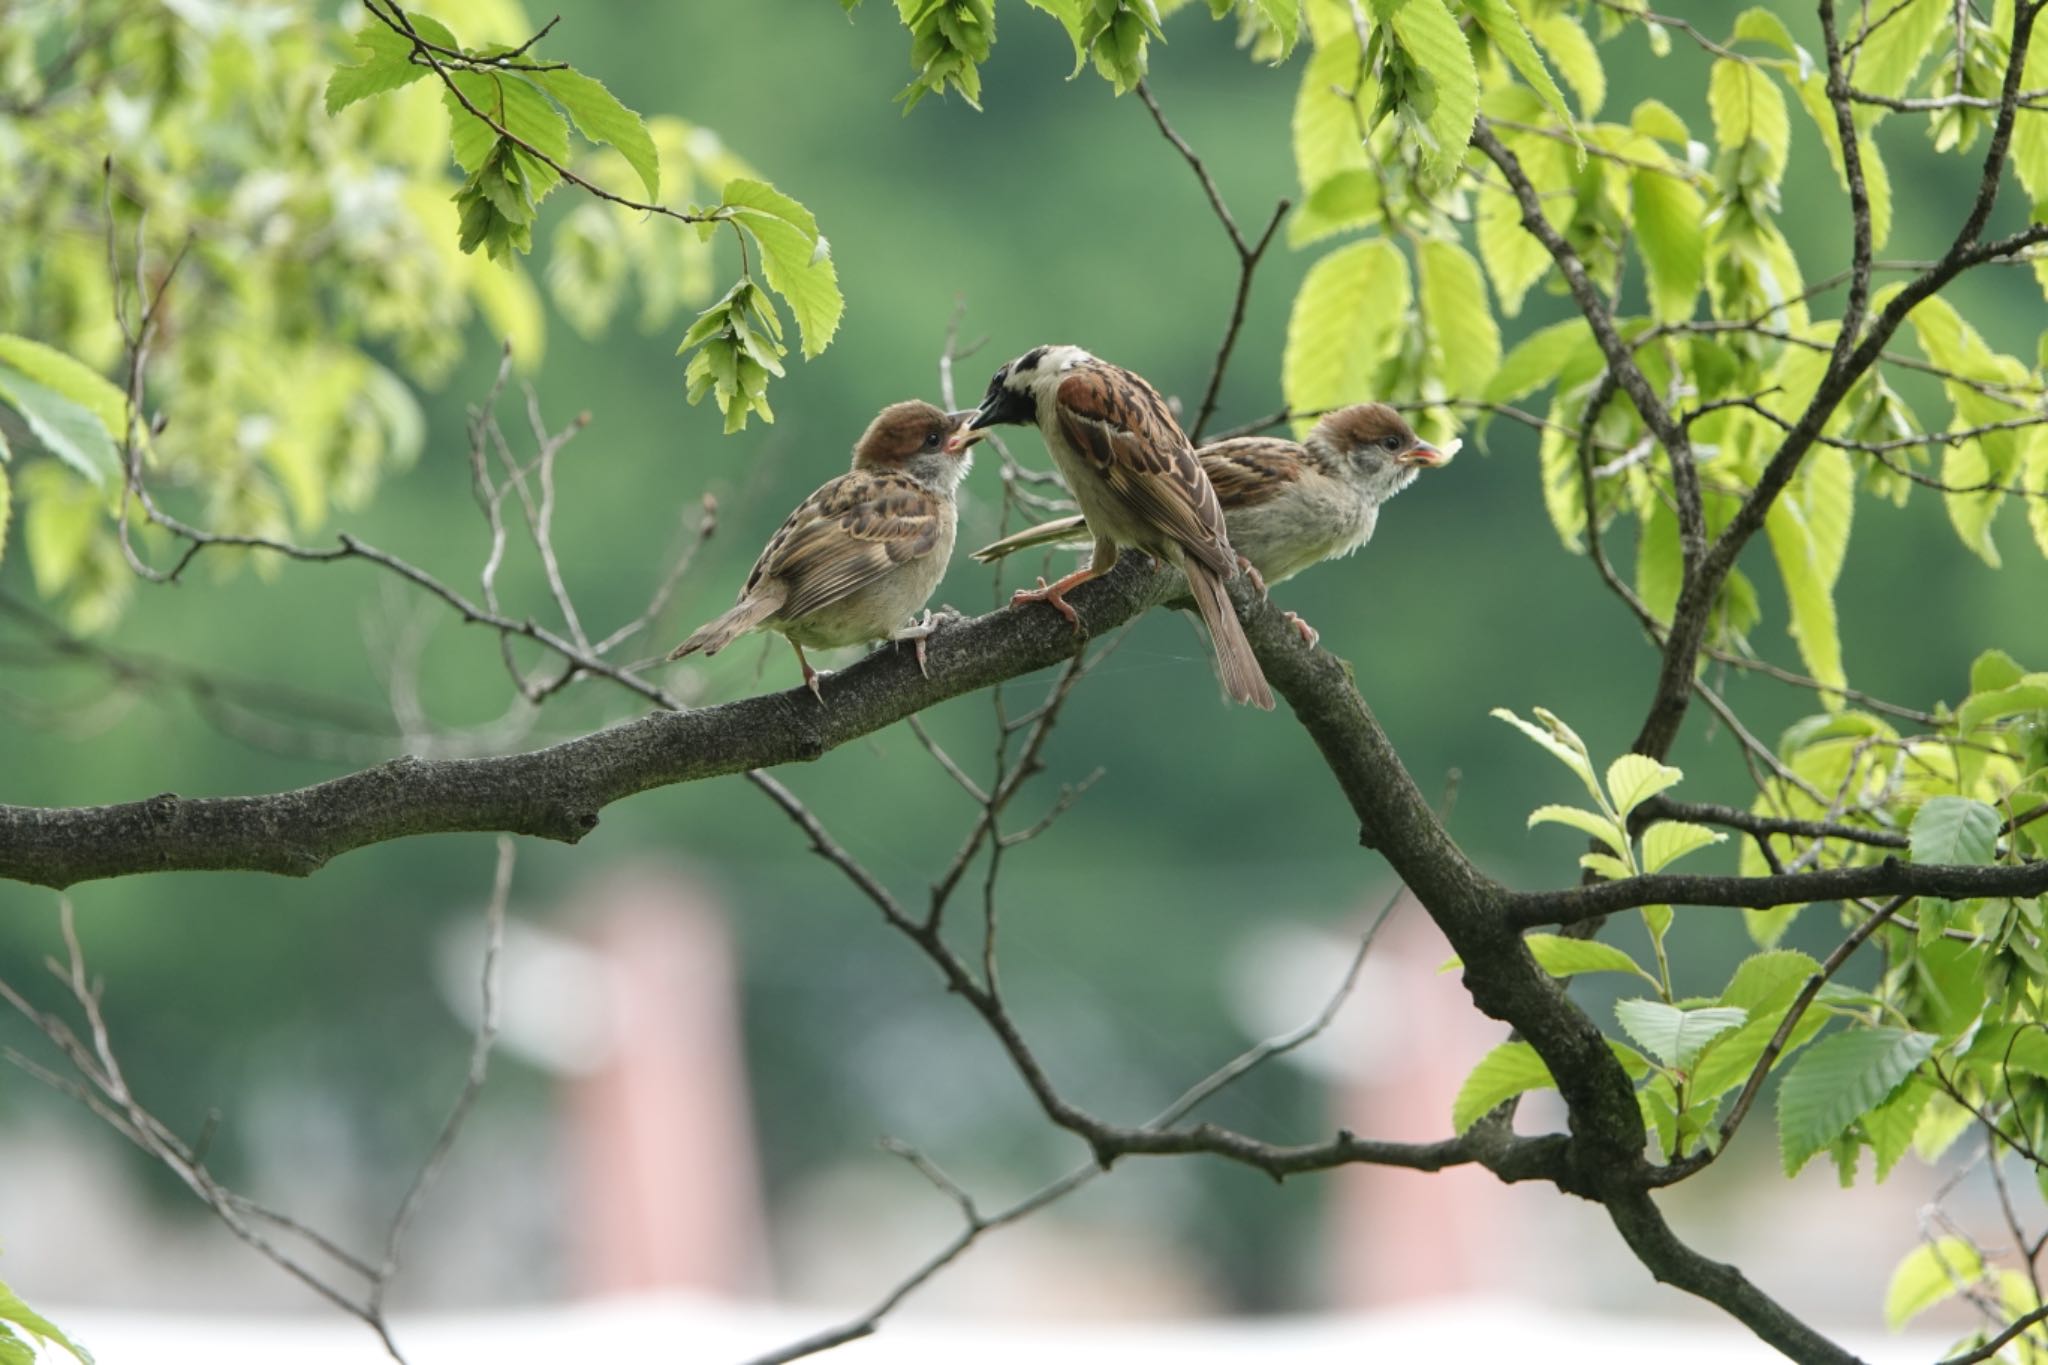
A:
x: 1242, y: 677
x: 1066, y: 530
x: 721, y: 631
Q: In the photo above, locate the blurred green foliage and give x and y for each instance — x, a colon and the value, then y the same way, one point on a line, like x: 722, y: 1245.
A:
x: 327, y: 259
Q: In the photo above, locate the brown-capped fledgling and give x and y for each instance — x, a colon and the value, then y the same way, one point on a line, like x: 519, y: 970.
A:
x: 1289, y: 506
x: 864, y: 553
x: 1130, y: 466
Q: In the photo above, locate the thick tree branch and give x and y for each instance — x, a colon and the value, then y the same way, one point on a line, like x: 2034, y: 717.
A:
x: 1891, y: 877
x: 554, y: 793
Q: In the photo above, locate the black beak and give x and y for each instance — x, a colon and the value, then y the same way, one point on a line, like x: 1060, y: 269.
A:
x: 1005, y: 407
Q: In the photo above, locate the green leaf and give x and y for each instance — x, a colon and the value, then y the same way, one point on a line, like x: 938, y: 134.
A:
x: 1660, y: 562
x: 1448, y: 98
x: 1571, y: 51
x: 1327, y: 137
x: 1931, y: 1273
x: 2034, y: 478
x: 1511, y: 40
x: 13, y: 1310
x: 1672, y: 1035
x: 1346, y: 200
x: 1670, y: 236
x: 1954, y: 830
x: 794, y: 256
x: 1877, y: 184
x: 1890, y: 57
x: 1599, y: 826
x: 1749, y: 109
x: 1537, y: 358
x: 1607, y: 865
x: 70, y: 432
x: 1965, y: 465
x: 1890, y: 1126
x: 2021, y: 698
x: 1502, y: 1074
x: 1808, y: 589
x: 513, y: 103
x: 1766, y: 983
x: 1349, y: 316
x: 1561, y: 740
x: 1992, y: 671
x: 1285, y: 17
x: 1727, y: 1062
x: 1838, y: 1081
x: 1669, y: 840
x: 1464, y: 342
x: 68, y: 378
x: 387, y: 60
x: 1634, y: 778
x: 6, y: 510
x: 1561, y: 956
x: 602, y: 119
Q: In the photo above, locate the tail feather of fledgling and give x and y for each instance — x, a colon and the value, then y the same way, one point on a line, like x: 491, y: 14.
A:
x: 721, y: 631
x: 1242, y: 677
x: 1062, y: 531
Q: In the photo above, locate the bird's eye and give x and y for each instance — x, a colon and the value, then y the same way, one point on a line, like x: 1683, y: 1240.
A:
x: 1391, y: 442
x: 931, y: 440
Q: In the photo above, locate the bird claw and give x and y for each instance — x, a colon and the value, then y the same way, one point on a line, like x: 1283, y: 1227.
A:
x: 1053, y: 597
x: 1309, y: 634
x: 922, y: 631
x: 1251, y: 571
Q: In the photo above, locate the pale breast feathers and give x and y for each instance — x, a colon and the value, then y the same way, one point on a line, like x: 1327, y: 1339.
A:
x: 1121, y: 426
x: 846, y: 535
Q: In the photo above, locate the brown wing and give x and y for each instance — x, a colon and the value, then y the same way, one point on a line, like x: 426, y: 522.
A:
x: 845, y: 536
x: 1120, y: 424
x: 1250, y: 469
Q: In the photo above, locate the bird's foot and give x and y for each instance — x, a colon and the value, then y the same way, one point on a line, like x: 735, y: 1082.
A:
x: 1309, y: 634
x: 811, y: 675
x: 917, y: 634
x: 1054, y: 596
x: 1251, y: 571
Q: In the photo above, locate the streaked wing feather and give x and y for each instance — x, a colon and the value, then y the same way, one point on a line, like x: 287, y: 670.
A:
x: 846, y: 535
x: 1250, y: 470
x: 1121, y: 425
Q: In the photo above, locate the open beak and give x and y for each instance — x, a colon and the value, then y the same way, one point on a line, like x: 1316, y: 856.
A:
x: 964, y: 432
x: 1431, y: 457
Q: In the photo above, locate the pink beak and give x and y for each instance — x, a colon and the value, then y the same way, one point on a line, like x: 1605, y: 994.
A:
x: 964, y: 435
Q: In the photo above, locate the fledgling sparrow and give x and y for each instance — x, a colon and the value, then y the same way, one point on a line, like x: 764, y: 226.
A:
x: 1131, y: 468
x: 1289, y: 506
x: 860, y: 556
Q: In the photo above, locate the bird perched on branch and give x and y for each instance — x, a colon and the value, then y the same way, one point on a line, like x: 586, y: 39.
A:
x: 866, y: 551
x: 1140, y: 487
x: 1289, y: 506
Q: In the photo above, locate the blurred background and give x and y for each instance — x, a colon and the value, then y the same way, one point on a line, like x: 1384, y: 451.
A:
x: 708, y: 1031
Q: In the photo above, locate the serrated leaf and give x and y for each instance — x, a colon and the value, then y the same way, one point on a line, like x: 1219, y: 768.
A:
x: 68, y: 378
x: 1670, y: 236
x: 1877, y: 184
x: 70, y: 432
x: 1727, y: 1063
x: 1607, y: 865
x: 1449, y: 101
x: 1504, y: 27
x: 519, y: 108
x: 1888, y: 59
x: 792, y: 257
x: 2030, y: 694
x: 601, y: 118
x: 1765, y: 983
x: 1838, y: 1081
x: 1464, y: 342
x: 1634, y: 778
x: 1669, y: 840
x: 1348, y: 317
x: 1660, y: 562
x: 1537, y: 359
x: 1599, y: 826
x: 1965, y: 465
x: 1809, y: 591
x: 1749, y: 108
x: 6, y: 510
x: 1672, y: 1035
x: 386, y: 60
x: 1931, y: 1273
x: 13, y: 1310
x: 1572, y: 52
x: 1327, y: 140
x: 1285, y: 17
x: 1954, y: 830
x: 2034, y: 478
x: 1571, y: 753
x: 1346, y: 200
x: 1561, y: 956
x: 1890, y: 1126
x: 1507, y: 1071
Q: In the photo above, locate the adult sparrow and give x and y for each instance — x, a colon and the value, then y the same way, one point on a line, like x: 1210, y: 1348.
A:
x: 858, y: 557
x: 1139, y: 484
x: 1289, y: 506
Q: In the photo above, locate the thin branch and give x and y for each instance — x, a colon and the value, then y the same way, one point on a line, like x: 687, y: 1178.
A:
x: 1891, y: 877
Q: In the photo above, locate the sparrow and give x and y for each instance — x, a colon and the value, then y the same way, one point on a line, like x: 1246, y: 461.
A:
x: 1288, y: 506
x: 858, y: 557
x: 1131, y: 468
